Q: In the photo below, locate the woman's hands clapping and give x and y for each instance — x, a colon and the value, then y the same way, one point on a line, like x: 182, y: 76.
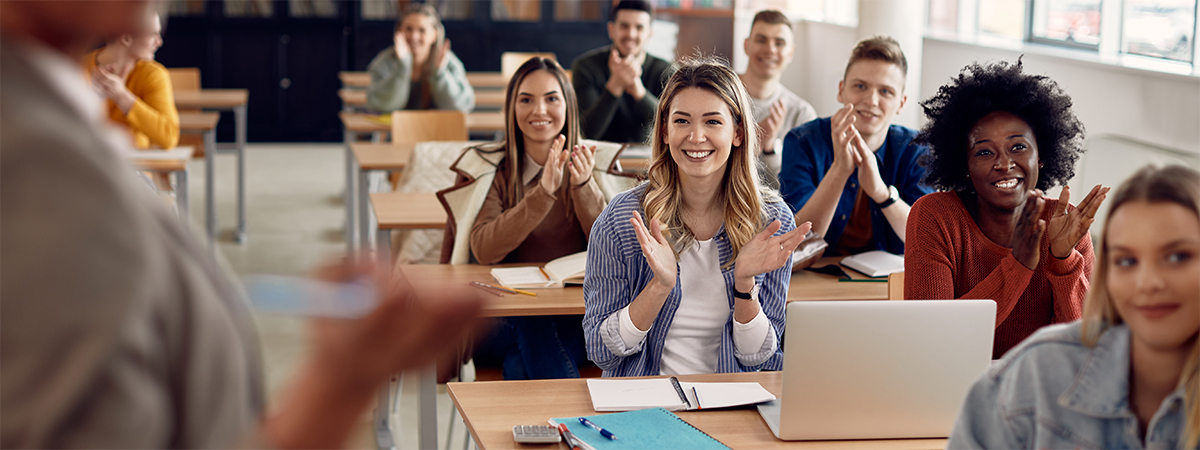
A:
x: 656, y: 249
x: 766, y: 252
x: 583, y: 160
x: 1066, y: 228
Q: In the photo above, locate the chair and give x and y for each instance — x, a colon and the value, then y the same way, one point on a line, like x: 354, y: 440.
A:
x: 188, y: 79
x: 896, y: 286
x: 510, y: 61
x: 426, y: 126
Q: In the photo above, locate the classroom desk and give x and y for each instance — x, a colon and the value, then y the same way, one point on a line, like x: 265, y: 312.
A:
x: 174, y: 161
x: 491, y: 408
x: 487, y: 80
x: 430, y: 280
x: 234, y: 100
x: 354, y: 124
x: 357, y: 99
x: 358, y: 80
x: 205, y: 124
x: 478, y: 80
x: 375, y: 156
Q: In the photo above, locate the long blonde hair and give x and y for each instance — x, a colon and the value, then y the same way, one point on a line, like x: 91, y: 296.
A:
x: 741, y: 189
x: 1172, y: 184
x: 429, y: 11
x: 514, y: 139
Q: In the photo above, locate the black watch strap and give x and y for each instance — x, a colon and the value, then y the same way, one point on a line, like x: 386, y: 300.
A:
x: 741, y: 295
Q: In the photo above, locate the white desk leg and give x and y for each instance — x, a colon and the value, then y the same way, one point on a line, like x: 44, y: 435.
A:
x: 364, y: 208
x: 239, y: 116
x: 348, y: 137
x: 427, y: 412
x: 383, y: 431
x: 181, y: 194
x: 210, y: 206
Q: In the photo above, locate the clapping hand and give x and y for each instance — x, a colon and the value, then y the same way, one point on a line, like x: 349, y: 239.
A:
x: 656, y: 249
x: 845, y: 157
x: 1027, y: 230
x: 768, y: 128
x: 1066, y: 228
x: 439, y: 59
x: 401, y: 46
x: 767, y: 252
x: 581, y: 163
x: 552, y: 171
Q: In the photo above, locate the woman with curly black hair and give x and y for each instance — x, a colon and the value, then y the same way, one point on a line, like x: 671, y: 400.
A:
x: 997, y: 138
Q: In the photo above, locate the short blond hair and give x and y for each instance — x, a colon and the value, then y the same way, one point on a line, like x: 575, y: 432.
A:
x: 878, y: 48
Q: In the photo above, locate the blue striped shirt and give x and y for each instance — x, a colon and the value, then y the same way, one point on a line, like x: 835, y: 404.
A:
x: 617, y: 272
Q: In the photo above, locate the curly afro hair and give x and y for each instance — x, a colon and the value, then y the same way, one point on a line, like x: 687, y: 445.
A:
x: 980, y: 90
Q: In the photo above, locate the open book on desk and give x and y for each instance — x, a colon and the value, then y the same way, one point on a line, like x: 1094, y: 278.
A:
x: 567, y: 270
x: 875, y: 263
x: 671, y: 394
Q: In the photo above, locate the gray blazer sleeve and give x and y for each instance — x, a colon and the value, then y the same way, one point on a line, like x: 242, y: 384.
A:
x: 451, y: 90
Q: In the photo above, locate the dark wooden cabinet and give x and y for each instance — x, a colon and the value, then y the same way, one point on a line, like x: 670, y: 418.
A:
x: 290, y: 64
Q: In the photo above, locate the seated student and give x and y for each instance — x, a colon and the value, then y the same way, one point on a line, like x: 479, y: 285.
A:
x: 1128, y: 374
x: 618, y: 85
x: 419, y: 71
x: 855, y: 174
x: 539, y: 205
x: 770, y: 48
x: 688, y: 272
x: 138, y: 89
x: 995, y: 135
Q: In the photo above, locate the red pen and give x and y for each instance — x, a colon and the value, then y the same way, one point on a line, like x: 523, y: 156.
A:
x: 571, y: 440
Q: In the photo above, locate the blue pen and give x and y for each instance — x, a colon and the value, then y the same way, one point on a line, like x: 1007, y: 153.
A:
x: 603, y: 432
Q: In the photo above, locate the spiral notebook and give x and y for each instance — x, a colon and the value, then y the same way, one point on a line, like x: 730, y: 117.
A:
x: 619, y: 394
x: 654, y: 428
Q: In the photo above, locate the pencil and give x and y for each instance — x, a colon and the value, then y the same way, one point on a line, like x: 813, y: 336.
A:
x: 485, y: 288
x: 507, y: 289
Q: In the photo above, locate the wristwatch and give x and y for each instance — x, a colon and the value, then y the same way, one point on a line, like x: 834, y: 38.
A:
x: 893, y: 196
x: 752, y: 295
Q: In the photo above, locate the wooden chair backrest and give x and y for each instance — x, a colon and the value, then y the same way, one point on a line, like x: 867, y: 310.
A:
x: 896, y: 286
x: 429, y: 125
x: 185, y: 78
x: 188, y: 79
x: 510, y: 61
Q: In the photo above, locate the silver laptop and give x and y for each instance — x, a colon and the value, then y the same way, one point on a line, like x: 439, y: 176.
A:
x: 879, y: 369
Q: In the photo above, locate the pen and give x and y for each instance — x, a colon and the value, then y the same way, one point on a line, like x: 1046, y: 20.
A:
x: 603, y: 432
x: 485, y: 288
x: 506, y: 289
x: 567, y: 436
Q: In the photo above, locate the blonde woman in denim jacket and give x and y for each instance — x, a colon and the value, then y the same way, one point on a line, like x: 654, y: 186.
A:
x: 1126, y: 376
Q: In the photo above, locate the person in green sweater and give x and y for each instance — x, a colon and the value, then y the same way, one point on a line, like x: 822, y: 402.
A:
x: 618, y: 85
x: 419, y: 71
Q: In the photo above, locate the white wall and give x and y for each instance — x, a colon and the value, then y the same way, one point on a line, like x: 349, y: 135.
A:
x: 1157, y: 108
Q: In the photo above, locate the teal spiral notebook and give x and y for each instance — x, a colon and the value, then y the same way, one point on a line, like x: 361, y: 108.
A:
x: 648, y: 429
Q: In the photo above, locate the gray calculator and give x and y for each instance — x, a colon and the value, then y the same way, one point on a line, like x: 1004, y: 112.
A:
x: 536, y: 434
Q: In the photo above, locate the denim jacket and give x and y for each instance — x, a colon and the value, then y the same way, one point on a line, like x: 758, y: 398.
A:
x: 1051, y: 391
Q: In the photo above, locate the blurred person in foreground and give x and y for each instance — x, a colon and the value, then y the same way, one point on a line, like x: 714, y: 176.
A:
x: 117, y: 328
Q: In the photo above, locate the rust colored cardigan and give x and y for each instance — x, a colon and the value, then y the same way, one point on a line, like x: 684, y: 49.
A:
x: 949, y: 257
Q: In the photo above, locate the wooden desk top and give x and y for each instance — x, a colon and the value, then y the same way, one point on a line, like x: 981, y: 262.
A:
x: 355, y: 79
x: 382, y: 156
x: 173, y: 160
x: 431, y: 279
x: 491, y: 408
x: 492, y: 99
x: 211, y: 98
x: 484, y: 121
x: 408, y: 211
x: 198, y: 121
x: 485, y: 80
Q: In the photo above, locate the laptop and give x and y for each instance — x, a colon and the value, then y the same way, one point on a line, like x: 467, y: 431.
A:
x: 879, y: 369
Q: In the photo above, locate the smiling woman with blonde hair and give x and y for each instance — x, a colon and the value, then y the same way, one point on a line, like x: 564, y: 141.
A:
x: 419, y: 71
x: 688, y: 272
x: 1128, y: 374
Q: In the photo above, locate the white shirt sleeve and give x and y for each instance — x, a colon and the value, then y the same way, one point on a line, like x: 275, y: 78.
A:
x: 750, y: 337
x: 630, y: 332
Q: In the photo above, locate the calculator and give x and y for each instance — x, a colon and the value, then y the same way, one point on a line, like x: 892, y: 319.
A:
x: 536, y: 434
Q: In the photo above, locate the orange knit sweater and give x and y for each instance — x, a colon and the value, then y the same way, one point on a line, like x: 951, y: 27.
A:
x: 153, y: 118
x: 949, y: 257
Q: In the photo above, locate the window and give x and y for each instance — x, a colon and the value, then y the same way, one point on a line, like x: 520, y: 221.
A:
x: 1160, y: 28
x: 943, y: 15
x: 1075, y: 22
x: 1002, y: 18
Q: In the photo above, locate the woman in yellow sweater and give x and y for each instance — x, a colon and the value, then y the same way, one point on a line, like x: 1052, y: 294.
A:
x: 138, y: 89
